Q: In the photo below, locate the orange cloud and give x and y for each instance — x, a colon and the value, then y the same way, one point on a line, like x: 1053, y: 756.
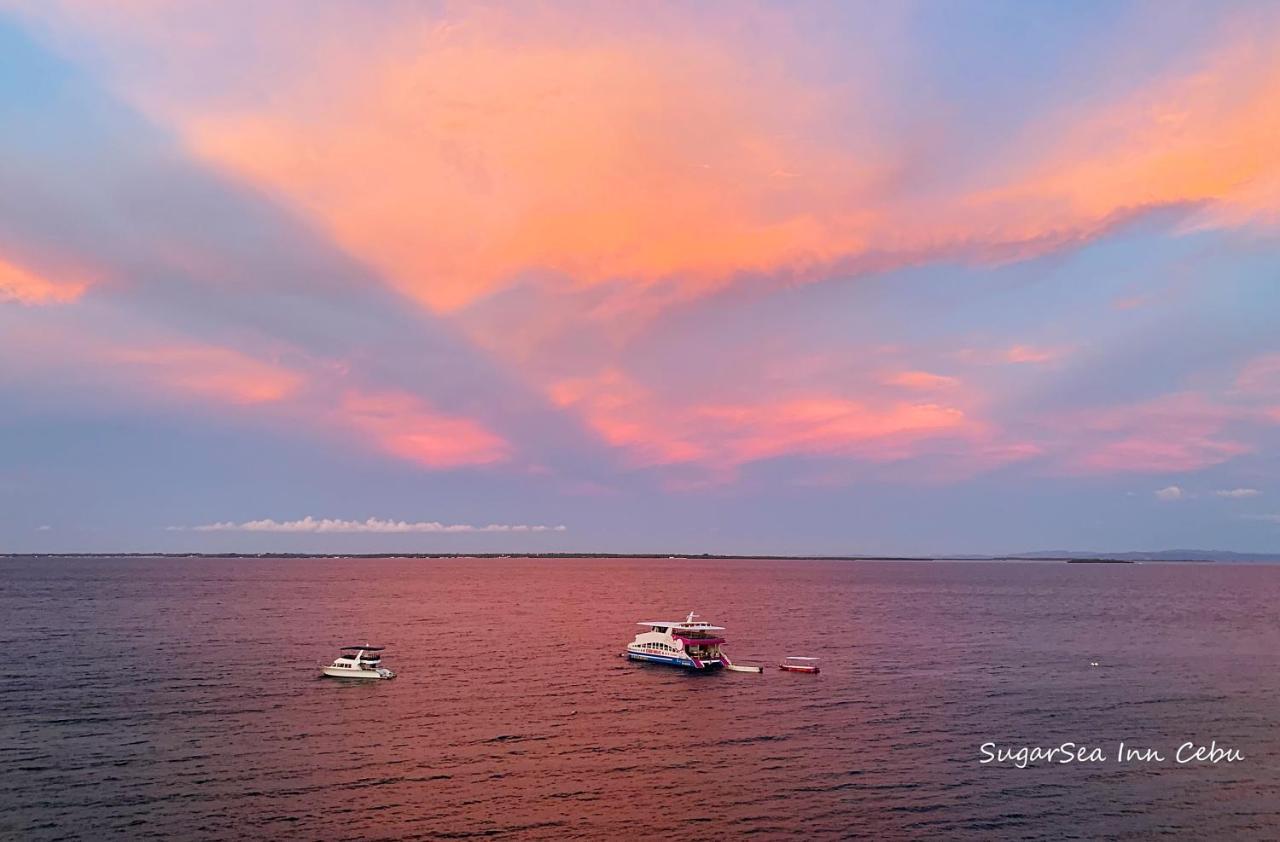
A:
x: 478, y: 157
x: 460, y: 151
x: 207, y: 371
x: 18, y: 284
x: 463, y: 153
x: 405, y: 426
x: 1209, y: 133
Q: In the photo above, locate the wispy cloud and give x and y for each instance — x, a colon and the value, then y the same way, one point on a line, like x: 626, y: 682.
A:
x: 373, y: 524
x: 1170, y: 493
x: 1238, y: 493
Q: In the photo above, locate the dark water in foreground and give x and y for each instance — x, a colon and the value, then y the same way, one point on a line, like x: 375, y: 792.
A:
x: 181, y: 699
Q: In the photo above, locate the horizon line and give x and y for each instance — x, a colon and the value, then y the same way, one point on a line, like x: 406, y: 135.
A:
x: 1200, y: 556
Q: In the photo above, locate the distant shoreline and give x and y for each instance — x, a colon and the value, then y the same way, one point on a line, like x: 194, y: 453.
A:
x: 1069, y: 559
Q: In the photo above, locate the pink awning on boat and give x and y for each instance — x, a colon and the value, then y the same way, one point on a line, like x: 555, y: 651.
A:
x: 699, y: 641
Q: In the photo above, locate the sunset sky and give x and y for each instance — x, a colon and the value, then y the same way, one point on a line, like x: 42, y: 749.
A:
x: 704, y: 277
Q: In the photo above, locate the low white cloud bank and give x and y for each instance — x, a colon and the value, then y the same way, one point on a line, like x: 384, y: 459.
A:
x: 373, y: 524
x: 1170, y: 493
x: 1238, y: 493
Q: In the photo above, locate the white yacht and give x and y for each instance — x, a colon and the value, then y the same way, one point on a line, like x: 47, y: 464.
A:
x: 363, y: 662
x: 692, y: 644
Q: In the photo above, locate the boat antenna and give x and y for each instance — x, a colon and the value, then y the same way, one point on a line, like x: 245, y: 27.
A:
x: 689, y: 619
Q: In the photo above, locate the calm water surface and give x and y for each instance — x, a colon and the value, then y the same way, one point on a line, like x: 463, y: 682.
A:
x: 180, y: 698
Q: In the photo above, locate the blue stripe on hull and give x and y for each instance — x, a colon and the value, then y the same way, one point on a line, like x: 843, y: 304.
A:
x: 671, y: 661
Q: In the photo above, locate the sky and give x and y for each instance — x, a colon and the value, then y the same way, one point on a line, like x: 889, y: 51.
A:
x: 900, y: 278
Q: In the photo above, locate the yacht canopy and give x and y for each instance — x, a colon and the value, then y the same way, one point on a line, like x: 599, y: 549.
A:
x: 681, y: 625
x: 362, y: 649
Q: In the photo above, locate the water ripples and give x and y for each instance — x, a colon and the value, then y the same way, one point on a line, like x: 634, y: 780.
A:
x: 181, y: 698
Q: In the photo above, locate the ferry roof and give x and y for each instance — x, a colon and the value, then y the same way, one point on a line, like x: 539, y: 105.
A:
x: 700, y: 641
x: 681, y: 624
x: 362, y: 649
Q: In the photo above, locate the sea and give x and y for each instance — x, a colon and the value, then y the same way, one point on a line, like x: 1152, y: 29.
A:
x: 176, y: 698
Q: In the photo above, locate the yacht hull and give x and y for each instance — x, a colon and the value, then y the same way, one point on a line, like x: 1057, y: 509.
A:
x: 672, y: 661
x: 359, y: 675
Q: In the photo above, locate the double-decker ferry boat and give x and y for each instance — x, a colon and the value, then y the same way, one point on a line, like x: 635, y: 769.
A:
x: 692, y: 644
x: 359, y: 662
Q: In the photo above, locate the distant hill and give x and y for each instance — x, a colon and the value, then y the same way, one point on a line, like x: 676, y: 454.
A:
x: 1154, y: 555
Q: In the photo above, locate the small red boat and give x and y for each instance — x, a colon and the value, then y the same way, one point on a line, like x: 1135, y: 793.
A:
x: 797, y: 663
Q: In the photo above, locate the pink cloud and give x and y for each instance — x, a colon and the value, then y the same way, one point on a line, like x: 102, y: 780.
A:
x: 26, y: 287
x: 1019, y: 354
x: 720, y: 436
x: 921, y: 380
x: 318, y: 398
x: 626, y: 415
x: 826, y: 425
x: 1260, y: 377
x: 1157, y: 455
x: 405, y: 426
x: 206, y: 371
x: 1132, y: 302
x: 1171, y: 434
x: 1032, y: 354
